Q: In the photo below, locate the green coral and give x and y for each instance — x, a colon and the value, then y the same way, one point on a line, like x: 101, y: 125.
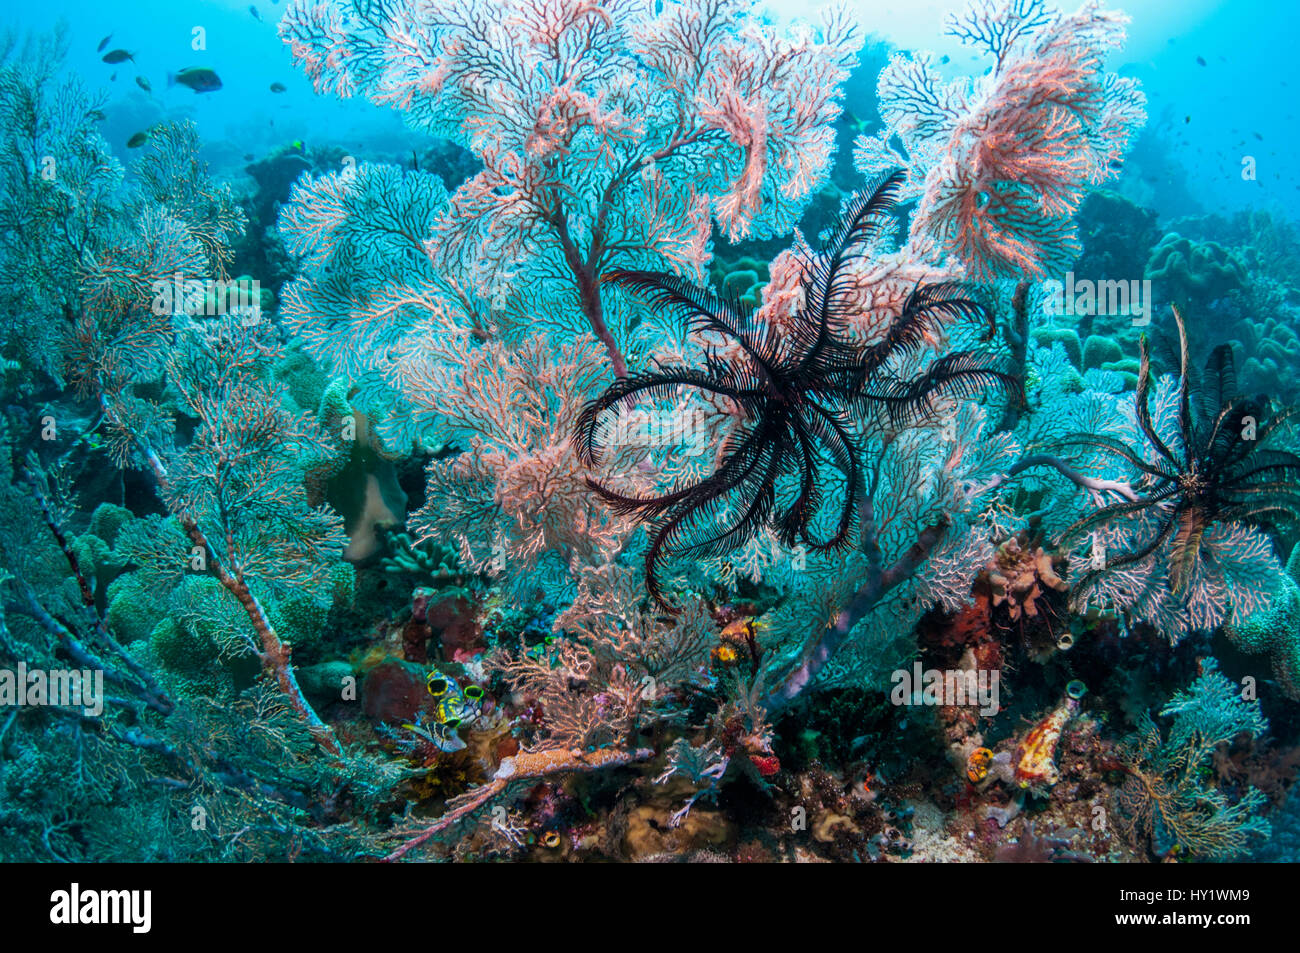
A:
x: 302, y: 378
x: 433, y: 562
x: 1129, y: 368
x: 1167, y: 799
x: 1099, y: 351
x: 742, y: 278
x: 298, y: 619
x: 134, y: 609
x: 107, y: 520
x: 204, y: 643
x: 1276, y: 630
x: 1194, y: 273
x: 96, y: 559
x: 181, y: 649
x: 1272, y: 355
x: 1067, y: 337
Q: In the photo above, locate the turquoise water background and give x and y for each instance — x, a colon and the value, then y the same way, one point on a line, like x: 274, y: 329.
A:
x: 1207, y: 118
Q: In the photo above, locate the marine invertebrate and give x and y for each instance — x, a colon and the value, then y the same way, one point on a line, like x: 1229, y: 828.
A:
x: 1019, y: 578
x: 1218, y: 470
x: 1035, y: 759
x: 1271, y: 362
x: 1165, y: 800
x: 1193, y: 274
x: 977, y: 764
x: 1182, y: 479
x: 615, y: 667
x: 797, y: 390
x: 926, y: 526
x: 1275, y: 629
x: 241, y: 475
x: 49, y: 223
x: 609, y: 132
x: 516, y: 499
x: 1001, y: 163
x: 516, y: 772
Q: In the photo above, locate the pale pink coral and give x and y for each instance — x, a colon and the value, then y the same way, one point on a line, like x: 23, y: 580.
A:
x: 1002, y: 164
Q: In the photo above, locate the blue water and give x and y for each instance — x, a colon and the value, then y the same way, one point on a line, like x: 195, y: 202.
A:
x: 1209, y: 118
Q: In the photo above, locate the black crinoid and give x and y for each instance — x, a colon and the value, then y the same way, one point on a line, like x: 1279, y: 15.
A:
x: 1220, y: 469
x: 801, y: 389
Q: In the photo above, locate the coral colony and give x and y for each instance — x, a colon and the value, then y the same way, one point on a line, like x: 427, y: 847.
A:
x: 668, y: 462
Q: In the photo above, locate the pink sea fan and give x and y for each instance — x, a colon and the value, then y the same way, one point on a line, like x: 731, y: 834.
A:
x: 610, y: 131
x: 1002, y: 165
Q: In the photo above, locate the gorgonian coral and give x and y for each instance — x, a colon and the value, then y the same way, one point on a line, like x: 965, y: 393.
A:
x: 58, y: 183
x: 516, y: 500
x: 610, y: 132
x: 1166, y: 800
x: 1186, y: 478
x: 799, y: 389
x: 1001, y: 163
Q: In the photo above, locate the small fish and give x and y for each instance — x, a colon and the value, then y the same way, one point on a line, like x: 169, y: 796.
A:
x: 945, y: 58
x: 253, y: 10
x: 248, y: 157
x: 1187, y: 119
x: 143, y: 84
x: 118, y: 56
x: 137, y: 140
x: 278, y: 87
x: 198, y: 78
x: 1258, y: 136
x: 97, y: 115
x: 1200, y: 60
x: 103, y: 43
x: 113, y: 78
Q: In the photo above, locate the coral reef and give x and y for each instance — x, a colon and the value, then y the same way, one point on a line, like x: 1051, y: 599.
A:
x: 594, y: 468
x: 1001, y: 163
x: 1193, y: 274
x: 1164, y: 798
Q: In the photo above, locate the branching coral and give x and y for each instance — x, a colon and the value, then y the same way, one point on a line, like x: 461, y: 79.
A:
x: 58, y: 186
x: 609, y: 132
x: 1214, y: 465
x: 237, y: 485
x: 1165, y: 800
x: 1184, y: 481
x: 799, y: 387
x: 517, y: 497
x: 1001, y: 164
